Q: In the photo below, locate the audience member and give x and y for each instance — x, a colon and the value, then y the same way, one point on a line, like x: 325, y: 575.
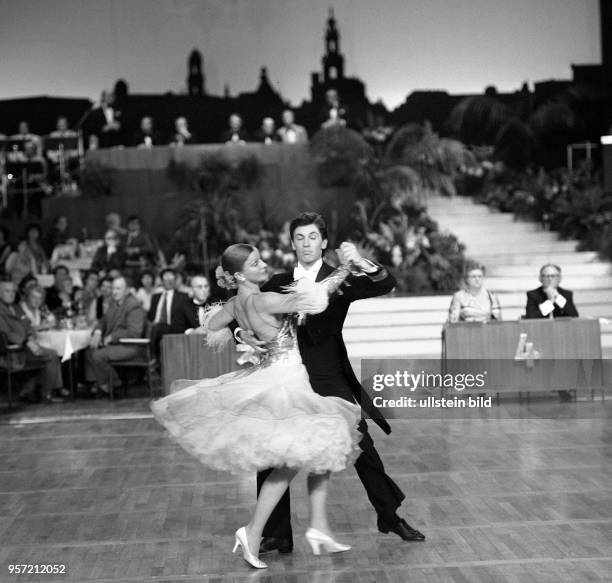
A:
x: 113, y: 221
x: 69, y: 299
x: 57, y: 235
x: 147, y: 136
x: 124, y: 319
x: 192, y: 311
x: 60, y: 273
x: 182, y: 135
x: 146, y: 290
x: 475, y: 303
x: 21, y: 263
x: 235, y: 134
x: 550, y: 300
x: 290, y: 132
x: 165, y: 309
x: 34, y: 308
x: 138, y: 244
x: 18, y: 330
x: 109, y: 256
x: 103, y: 301
x: 267, y: 132
x: 89, y: 295
x: 33, y: 237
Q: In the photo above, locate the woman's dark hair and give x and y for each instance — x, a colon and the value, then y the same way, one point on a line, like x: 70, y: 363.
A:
x: 146, y: 272
x: 309, y: 218
x: 234, y: 256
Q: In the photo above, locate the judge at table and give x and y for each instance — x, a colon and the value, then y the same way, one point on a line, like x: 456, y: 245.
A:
x: 192, y: 310
x: 550, y: 300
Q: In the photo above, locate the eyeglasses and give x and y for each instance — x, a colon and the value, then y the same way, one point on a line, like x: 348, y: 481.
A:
x: 551, y: 275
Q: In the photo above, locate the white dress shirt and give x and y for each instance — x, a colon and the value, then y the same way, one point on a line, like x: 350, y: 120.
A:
x: 300, y: 272
x: 167, y: 295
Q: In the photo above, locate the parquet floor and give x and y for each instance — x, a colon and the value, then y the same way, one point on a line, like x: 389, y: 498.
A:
x: 105, y: 492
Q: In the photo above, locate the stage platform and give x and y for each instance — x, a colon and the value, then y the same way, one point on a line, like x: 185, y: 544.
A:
x: 99, y: 487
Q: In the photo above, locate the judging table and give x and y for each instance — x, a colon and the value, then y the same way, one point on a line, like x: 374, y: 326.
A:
x: 186, y: 356
x: 528, y: 355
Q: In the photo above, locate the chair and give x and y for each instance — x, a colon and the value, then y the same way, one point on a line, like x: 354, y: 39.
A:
x: 12, y: 362
x: 145, y: 360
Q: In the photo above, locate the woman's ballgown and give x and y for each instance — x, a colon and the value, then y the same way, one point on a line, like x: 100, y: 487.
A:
x: 263, y: 417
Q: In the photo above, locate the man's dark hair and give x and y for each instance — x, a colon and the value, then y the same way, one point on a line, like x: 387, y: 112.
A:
x: 167, y: 270
x: 60, y: 266
x: 309, y: 218
x: 132, y: 218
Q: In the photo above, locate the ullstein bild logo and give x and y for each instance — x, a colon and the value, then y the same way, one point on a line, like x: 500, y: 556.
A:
x: 526, y: 351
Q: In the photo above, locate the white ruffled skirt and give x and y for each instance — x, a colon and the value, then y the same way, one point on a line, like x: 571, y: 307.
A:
x: 264, y: 417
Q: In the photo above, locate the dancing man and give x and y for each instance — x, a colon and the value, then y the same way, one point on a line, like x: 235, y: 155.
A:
x: 325, y: 356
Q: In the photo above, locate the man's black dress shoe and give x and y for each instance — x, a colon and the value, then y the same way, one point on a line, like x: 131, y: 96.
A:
x: 401, y: 529
x: 270, y: 543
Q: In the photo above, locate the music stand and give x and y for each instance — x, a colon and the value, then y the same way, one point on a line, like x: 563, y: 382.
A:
x: 23, y: 169
x: 61, y: 145
x: 8, y: 147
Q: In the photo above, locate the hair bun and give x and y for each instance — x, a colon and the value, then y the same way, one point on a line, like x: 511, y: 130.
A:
x: 225, y: 279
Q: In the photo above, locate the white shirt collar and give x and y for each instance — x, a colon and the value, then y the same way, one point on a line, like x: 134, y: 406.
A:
x: 300, y: 272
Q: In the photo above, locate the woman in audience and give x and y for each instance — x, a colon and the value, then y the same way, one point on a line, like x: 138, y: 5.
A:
x: 475, y: 303
x: 146, y: 290
x: 33, y: 306
x: 69, y: 297
x: 33, y: 238
x: 109, y: 256
x: 89, y: 295
x: 20, y: 263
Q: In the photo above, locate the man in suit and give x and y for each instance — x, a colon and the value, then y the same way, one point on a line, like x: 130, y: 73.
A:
x: 326, y: 360
x: 550, y: 300
x: 192, y: 310
x: 290, y: 132
x: 124, y: 319
x: 147, y: 136
x: 105, y: 122
x: 235, y: 133
x: 165, y: 310
x: 18, y: 330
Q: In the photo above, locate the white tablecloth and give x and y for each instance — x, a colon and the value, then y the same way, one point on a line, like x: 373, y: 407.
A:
x: 65, y: 342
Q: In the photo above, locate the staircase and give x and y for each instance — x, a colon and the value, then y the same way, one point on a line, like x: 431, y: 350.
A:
x: 512, y: 253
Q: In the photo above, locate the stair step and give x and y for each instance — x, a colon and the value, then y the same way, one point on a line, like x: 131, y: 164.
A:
x: 572, y: 270
x: 538, y: 259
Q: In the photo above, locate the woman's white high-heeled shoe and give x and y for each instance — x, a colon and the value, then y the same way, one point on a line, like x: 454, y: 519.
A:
x: 249, y: 557
x: 317, y: 539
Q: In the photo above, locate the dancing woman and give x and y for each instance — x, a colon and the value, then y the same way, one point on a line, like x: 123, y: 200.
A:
x: 267, y: 416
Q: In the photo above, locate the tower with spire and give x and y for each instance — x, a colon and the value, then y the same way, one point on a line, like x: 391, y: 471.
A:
x: 195, y: 74
x: 333, y: 61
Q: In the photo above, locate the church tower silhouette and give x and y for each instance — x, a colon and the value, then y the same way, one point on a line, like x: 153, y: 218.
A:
x: 333, y: 61
x: 195, y: 75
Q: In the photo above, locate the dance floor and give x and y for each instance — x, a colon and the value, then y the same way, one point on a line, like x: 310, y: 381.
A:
x: 100, y: 489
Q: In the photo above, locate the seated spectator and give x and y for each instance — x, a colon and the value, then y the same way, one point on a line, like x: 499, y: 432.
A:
x: 57, y: 235
x: 113, y: 222
x: 550, y: 300
x: 182, y: 135
x: 5, y: 248
x: 147, y: 136
x: 60, y: 273
x: 110, y: 255
x: 290, y: 132
x: 192, y: 311
x: 138, y: 244
x: 103, y: 301
x: 475, y: 303
x: 69, y: 299
x: 165, y: 309
x: 124, y: 319
x: 89, y: 296
x: 146, y: 290
x: 33, y: 307
x: 266, y: 134
x: 18, y: 330
x: 34, y: 239
x: 21, y: 263
x: 235, y: 134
